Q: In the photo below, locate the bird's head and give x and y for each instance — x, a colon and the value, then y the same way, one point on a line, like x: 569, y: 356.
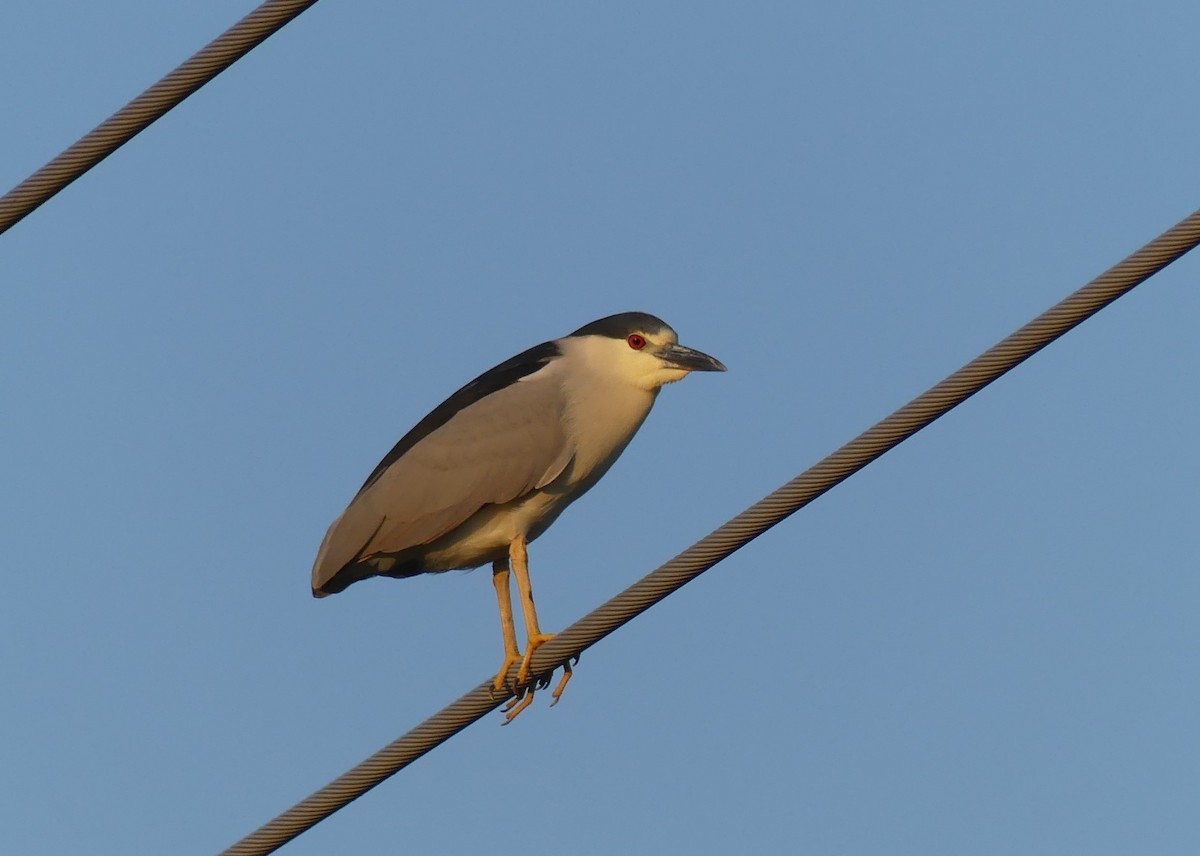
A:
x: 637, y: 349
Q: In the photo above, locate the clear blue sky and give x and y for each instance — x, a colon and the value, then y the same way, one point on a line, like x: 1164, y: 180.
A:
x: 985, y: 643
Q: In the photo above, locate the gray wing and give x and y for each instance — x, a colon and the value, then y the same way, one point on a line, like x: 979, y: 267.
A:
x: 490, y: 452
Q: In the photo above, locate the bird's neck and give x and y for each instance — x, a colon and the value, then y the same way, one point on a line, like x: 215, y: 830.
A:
x: 604, y: 422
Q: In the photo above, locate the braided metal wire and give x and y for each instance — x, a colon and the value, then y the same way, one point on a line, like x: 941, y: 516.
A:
x: 738, y: 532
x: 141, y: 112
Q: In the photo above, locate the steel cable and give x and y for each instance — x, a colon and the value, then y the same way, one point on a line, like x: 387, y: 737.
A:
x: 738, y: 532
x: 141, y: 112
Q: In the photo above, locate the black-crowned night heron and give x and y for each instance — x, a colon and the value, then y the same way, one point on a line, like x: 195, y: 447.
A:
x: 495, y: 464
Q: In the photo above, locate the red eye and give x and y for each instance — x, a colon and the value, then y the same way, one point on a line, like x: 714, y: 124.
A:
x: 636, y: 342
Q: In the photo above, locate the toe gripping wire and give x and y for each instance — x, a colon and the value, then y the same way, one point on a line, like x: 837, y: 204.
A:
x: 735, y: 534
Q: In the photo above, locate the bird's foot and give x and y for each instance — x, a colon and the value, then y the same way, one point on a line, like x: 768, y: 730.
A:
x: 562, y: 683
x: 531, y: 645
x: 517, y: 704
x: 501, y: 681
x: 525, y: 697
x: 522, y: 687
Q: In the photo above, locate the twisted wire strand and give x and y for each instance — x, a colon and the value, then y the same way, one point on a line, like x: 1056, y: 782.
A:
x: 153, y: 104
x: 738, y: 532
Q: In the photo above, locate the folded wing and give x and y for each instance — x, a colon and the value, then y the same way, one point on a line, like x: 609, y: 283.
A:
x: 493, y: 451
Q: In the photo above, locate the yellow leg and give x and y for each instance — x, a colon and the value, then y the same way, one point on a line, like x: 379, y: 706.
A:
x: 534, y: 637
x: 512, y: 654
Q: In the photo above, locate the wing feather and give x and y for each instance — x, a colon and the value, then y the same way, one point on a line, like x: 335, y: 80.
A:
x: 493, y: 451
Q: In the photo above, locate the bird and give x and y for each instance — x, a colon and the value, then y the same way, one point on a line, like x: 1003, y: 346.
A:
x: 493, y: 466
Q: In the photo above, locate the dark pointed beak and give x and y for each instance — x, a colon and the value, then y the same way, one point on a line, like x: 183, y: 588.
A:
x: 689, y: 359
